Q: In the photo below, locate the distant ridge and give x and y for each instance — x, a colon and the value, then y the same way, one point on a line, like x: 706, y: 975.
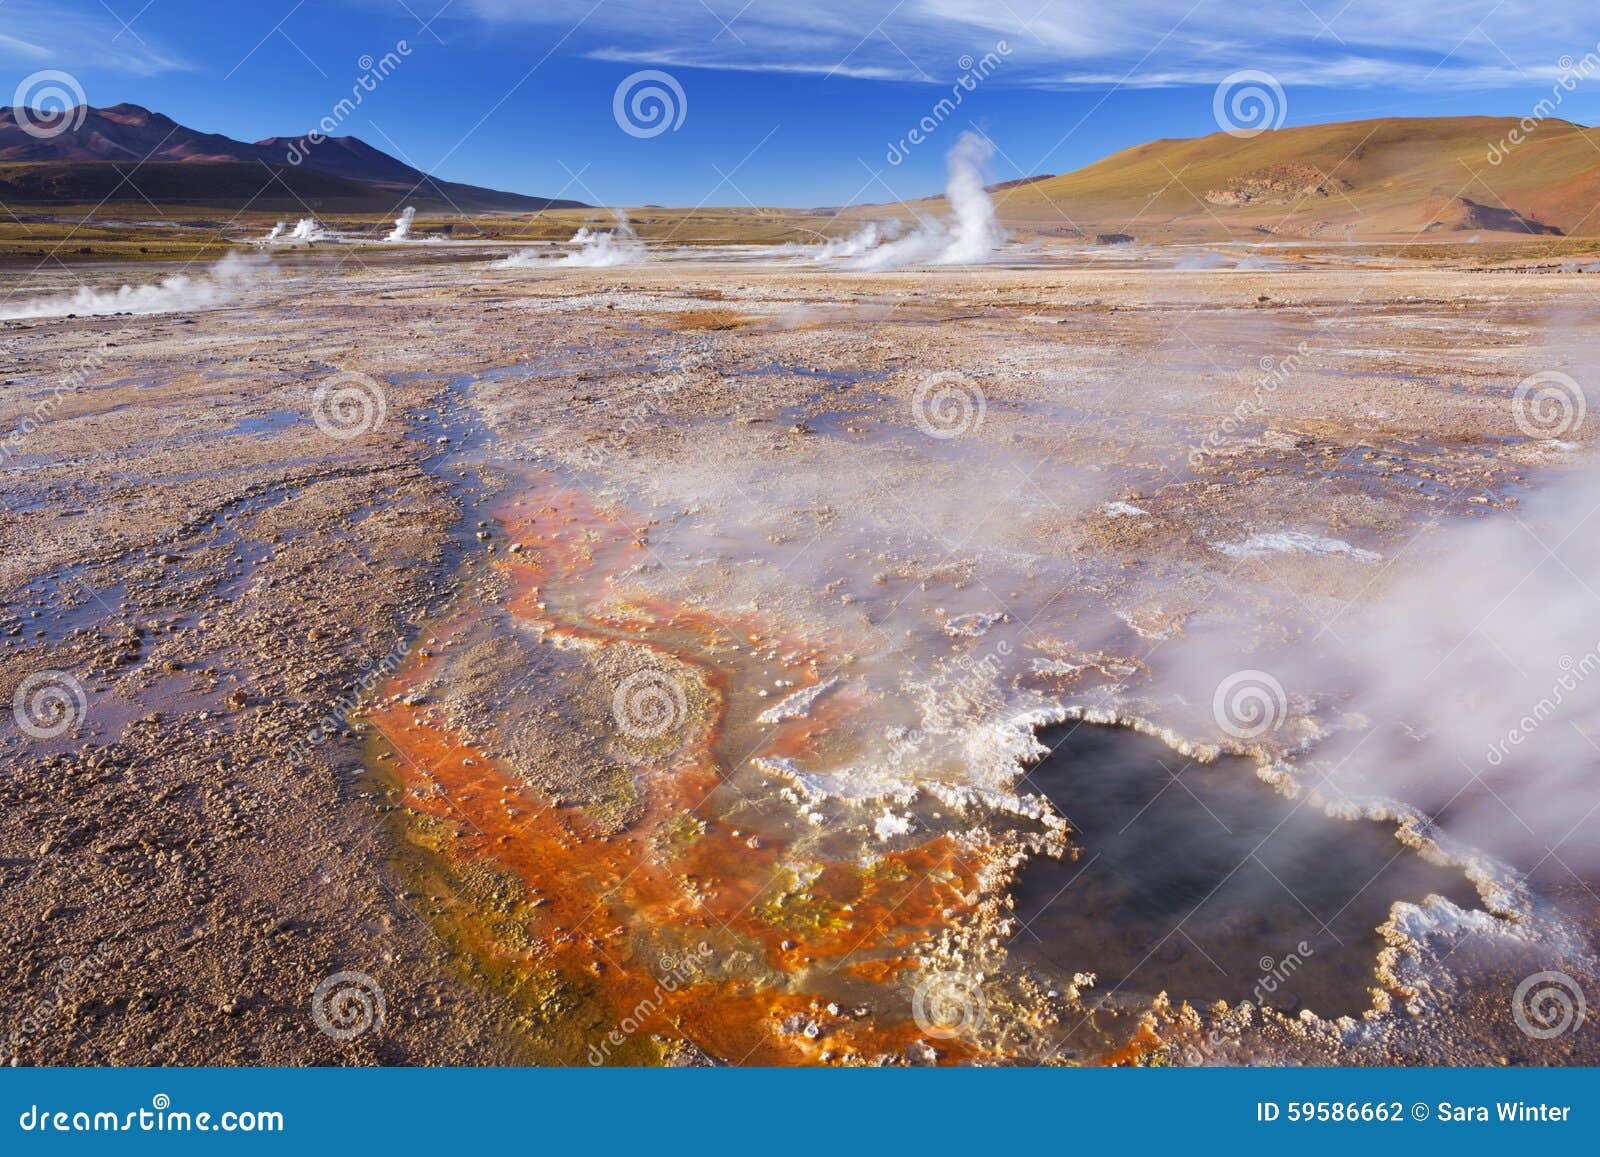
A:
x: 87, y: 162
x: 1396, y: 178
x: 1422, y: 178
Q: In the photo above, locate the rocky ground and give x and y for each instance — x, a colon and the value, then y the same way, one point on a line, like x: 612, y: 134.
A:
x: 227, y: 528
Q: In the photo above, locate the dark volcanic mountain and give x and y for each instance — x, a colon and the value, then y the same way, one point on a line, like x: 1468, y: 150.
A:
x: 87, y: 160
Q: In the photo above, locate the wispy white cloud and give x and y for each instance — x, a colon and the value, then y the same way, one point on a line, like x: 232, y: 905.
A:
x: 1348, y: 72
x: 672, y: 59
x: 53, y: 35
x: 1068, y: 43
x: 10, y: 46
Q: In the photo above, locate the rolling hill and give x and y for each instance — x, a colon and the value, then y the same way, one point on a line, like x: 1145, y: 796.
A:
x: 126, y: 152
x: 1394, y: 179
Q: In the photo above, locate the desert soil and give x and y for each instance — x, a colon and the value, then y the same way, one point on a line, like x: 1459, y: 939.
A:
x: 276, y: 628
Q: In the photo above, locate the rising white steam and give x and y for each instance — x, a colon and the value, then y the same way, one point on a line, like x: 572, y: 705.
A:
x: 1469, y: 688
x: 969, y: 237
x: 863, y: 240
x: 304, y: 232
x: 620, y: 246
x: 307, y: 230
x: 180, y: 292
x: 402, y: 225
x: 596, y: 248
x: 1479, y: 681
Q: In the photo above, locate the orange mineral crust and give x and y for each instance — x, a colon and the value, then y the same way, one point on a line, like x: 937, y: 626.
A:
x: 684, y: 926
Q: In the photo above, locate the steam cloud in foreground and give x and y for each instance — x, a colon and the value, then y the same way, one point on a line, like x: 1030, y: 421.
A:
x: 225, y: 281
x: 1480, y: 676
x: 1469, y: 689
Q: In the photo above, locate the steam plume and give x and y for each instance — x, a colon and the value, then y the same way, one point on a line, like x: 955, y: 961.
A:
x: 968, y: 238
x: 1480, y: 677
x: 402, y: 225
x: 1469, y: 689
x: 308, y: 229
x: 863, y: 240
x: 597, y: 249
x: 225, y: 281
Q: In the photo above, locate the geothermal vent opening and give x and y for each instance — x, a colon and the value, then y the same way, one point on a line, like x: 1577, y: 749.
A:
x: 1203, y: 881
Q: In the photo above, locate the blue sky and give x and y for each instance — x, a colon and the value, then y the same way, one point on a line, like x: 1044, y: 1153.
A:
x: 789, y: 103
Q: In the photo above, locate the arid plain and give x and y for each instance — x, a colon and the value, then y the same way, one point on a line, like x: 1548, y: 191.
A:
x: 650, y: 664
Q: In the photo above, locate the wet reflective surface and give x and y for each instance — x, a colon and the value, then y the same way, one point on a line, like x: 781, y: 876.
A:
x: 1201, y: 880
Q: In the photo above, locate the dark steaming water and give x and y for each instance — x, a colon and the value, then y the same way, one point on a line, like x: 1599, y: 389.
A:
x: 1202, y: 881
